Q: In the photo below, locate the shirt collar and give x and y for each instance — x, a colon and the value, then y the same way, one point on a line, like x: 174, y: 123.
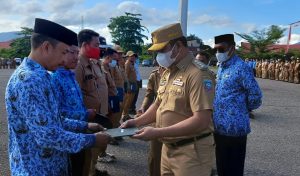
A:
x: 183, y: 63
x: 229, y: 62
x: 64, y: 71
x: 34, y: 66
x: 84, y: 61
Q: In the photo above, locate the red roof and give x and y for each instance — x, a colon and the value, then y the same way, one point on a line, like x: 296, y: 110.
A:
x: 274, y: 48
x: 5, y: 45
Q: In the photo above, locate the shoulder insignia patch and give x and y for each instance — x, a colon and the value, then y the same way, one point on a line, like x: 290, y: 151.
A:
x: 200, y: 65
x: 208, y: 86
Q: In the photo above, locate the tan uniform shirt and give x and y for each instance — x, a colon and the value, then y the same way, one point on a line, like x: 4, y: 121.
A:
x: 92, y: 81
x: 151, y: 91
x: 297, y: 72
x: 185, y: 88
x: 116, y: 74
x: 130, y: 71
x: 112, y: 90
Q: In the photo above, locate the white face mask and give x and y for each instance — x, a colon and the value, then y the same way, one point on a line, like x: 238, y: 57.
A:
x: 222, y: 57
x: 164, y: 59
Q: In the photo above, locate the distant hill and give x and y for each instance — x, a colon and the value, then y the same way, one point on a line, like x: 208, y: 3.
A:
x: 6, y: 36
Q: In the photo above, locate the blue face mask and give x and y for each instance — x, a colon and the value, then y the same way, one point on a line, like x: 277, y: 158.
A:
x: 113, y: 63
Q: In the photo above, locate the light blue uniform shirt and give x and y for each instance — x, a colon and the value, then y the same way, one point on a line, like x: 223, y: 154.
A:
x: 237, y: 93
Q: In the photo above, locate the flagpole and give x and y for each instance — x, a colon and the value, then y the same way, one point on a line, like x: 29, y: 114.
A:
x: 183, y: 13
x: 288, y: 40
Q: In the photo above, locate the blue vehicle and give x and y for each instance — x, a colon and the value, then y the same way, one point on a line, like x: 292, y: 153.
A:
x: 147, y: 63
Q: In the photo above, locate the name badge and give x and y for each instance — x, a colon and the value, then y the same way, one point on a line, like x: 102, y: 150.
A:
x: 178, y: 82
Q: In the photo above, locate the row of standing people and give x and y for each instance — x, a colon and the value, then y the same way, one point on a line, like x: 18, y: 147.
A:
x: 109, y: 85
x: 279, y: 70
x: 8, y: 63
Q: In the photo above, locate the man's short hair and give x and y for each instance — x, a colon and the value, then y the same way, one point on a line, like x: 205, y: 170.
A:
x: 108, y: 52
x: 38, y: 39
x: 86, y: 35
x: 206, y: 55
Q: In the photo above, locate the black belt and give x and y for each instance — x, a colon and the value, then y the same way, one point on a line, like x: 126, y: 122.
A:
x: 187, y: 141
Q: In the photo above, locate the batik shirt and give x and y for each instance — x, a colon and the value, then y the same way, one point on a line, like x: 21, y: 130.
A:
x: 38, y: 143
x: 70, y: 99
x: 237, y: 93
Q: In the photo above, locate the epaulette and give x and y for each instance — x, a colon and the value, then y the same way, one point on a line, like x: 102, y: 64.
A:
x: 200, y: 64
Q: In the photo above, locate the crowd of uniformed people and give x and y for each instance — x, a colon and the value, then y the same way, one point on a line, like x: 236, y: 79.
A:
x: 287, y: 70
x: 65, y: 94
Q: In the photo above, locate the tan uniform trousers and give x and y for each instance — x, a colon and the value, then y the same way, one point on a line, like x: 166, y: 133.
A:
x: 116, y: 117
x: 127, y: 103
x: 195, y: 159
x: 91, y: 156
x: 154, y: 157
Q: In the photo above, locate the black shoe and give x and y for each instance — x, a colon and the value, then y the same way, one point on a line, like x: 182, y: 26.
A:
x: 101, y: 173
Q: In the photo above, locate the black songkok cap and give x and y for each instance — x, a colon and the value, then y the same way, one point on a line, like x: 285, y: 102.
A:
x: 226, y: 38
x: 55, y: 31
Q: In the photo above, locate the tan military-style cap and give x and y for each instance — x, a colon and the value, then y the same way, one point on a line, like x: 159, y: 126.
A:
x: 118, y: 49
x: 162, y: 36
x: 130, y: 53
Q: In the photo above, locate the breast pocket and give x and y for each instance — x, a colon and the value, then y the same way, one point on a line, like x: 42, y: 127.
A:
x: 89, y: 83
x: 176, y: 98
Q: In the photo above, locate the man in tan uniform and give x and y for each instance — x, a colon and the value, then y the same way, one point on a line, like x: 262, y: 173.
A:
x: 150, y: 96
x: 91, y: 79
x: 131, y: 75
x: 297, y: 71
x: 183, y: 108
x: 286, y: 71
x: 117, y: 75
x: 281, y: 67
x: 258, y: 68
x: 291, y: 70
x: 277, y: 68
x: 109, y: 63
x: 266, y: 69
x: 271, y: 70
x: 263, y: 69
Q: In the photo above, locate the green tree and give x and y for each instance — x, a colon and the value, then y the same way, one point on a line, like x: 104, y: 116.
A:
x: 21, y: 46
x: 127, y: 31
x: 194, y: 37
x: 260, y: 39
x: 6, y: 53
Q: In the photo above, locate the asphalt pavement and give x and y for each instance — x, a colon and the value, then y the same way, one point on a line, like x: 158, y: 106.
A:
x: 273, y: 145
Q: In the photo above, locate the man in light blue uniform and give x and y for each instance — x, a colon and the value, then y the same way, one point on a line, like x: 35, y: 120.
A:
x: 71, y: 104
x: 237, y: 93
x: 38, y: 142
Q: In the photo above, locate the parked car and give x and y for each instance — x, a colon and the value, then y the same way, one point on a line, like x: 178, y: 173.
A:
x: 147, y: 63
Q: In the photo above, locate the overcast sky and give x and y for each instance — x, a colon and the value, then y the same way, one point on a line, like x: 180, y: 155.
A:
x: 206, y: 19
